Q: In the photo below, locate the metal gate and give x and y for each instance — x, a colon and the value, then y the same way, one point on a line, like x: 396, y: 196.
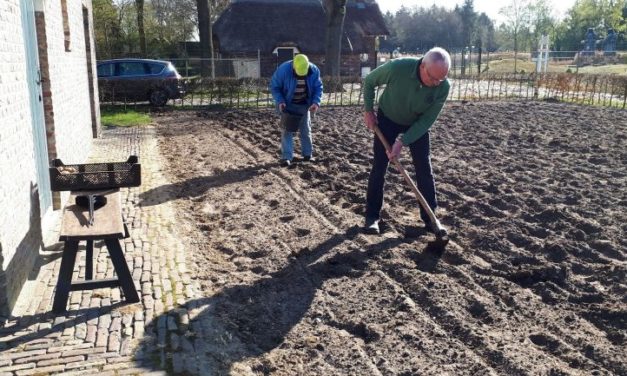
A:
x: 33, y: 76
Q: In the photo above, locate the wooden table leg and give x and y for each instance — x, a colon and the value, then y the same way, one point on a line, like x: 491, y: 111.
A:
x: 64, y: 281
x: 89, y: 260
x: 121, y: 268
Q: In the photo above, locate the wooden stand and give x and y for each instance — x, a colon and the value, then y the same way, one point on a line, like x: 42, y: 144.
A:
x: 108, y: 226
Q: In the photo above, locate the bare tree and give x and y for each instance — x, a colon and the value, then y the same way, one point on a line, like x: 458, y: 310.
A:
x: 335, y: 12
x: 139, y: 6
x: 171, y: 23
x: 517, y: 13
x: 206, y: 37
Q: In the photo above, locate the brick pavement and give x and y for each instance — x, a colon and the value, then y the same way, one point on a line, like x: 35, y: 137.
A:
x: 101, y: 334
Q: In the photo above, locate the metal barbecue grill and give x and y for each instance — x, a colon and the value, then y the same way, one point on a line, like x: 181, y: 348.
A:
x: 94, y: 176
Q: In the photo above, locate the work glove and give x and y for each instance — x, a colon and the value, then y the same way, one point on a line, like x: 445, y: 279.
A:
x: 370, y: 119
x: 395, y: 152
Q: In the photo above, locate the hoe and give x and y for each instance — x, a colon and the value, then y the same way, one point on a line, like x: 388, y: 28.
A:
x: 440, y: 232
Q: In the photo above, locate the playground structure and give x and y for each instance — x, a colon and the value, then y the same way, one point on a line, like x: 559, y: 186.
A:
x: 609, y: 45
x: 542, y: 61
x: 597, y: 50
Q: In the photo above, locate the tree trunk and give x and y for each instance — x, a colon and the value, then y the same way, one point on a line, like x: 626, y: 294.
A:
x: 515, y: 52
x: 335, y: 12
x: 213, y: 65
x: 139, y: 5
x: 204, y: 33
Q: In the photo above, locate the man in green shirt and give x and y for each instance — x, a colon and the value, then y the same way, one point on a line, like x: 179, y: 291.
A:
x: 414, y: 94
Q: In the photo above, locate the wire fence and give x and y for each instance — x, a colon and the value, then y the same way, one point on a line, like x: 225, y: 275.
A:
x: 464, y: 61
x: 235, y: 68
x: 595, y: 90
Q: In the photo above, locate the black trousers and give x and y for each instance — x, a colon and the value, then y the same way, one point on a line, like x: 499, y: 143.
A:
x: 420, y: 153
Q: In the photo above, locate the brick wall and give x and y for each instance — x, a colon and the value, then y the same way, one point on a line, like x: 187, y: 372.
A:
x: 67, y: 75
x: 68, y: 116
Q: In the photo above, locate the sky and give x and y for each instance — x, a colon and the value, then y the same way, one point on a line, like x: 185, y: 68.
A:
x: 489, y: 7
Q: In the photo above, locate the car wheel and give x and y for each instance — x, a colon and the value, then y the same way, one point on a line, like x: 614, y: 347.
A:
x: 158, y: 98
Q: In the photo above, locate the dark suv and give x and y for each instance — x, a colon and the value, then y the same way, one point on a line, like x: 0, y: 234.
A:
x: 156, y: 81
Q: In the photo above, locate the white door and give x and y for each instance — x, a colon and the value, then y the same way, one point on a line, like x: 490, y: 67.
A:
x: 33, y: 76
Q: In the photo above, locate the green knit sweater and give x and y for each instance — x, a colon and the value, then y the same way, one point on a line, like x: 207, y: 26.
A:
x: 405, y: 100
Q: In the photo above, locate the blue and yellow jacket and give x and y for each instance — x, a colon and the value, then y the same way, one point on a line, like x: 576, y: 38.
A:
x: 283, y: 84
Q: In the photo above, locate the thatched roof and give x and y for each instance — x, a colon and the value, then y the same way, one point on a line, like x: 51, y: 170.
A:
x: 249, y: 25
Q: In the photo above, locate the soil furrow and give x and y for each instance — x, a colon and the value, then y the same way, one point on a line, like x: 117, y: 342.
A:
x: 532, y: 282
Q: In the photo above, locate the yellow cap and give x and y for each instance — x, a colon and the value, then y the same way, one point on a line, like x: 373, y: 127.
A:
x: 301, y: 64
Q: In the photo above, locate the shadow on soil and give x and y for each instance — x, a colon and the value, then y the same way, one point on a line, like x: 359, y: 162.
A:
x: 196, y: 187
x: 250, y: 320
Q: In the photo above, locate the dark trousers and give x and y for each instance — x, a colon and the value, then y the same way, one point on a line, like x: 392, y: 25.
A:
x: 422, y: 164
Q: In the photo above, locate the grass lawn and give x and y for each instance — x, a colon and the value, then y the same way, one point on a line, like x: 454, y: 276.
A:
x: 507, y: 66
x: 123, y: 117
x: 619, y: 69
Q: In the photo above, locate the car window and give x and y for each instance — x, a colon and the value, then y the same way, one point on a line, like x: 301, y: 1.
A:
x: 105, y: 70
x: 154, y: 68
x: 131, y: 69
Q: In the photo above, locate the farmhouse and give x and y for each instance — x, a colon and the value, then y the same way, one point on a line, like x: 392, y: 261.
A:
x: 48, y: 109
x: 270, y: 32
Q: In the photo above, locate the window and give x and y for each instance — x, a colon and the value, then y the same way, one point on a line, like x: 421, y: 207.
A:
x: 154, y: 68
x: 105, y: 70
x: 131, y: 69
x: 285, y: 53
x: 66, y: 25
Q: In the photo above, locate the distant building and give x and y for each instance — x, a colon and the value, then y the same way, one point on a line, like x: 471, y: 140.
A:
x: 275, y: 30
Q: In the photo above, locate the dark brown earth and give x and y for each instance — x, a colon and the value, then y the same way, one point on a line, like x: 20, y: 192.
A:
x: 533, y: 281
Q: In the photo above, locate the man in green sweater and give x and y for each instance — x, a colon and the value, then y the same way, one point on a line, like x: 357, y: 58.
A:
x: 414, y: 94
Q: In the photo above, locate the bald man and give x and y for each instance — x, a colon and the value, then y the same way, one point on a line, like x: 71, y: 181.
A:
x: 414, y: 94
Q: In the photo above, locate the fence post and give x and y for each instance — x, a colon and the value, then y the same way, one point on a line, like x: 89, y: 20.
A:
x: 490, y: 89
x: 350, y: 94
x: 258, y: 90
x: 341, y: 92
x: 459, y: 88
x: 361, y: 86
x: 479, y: 62
x: 501, y: 86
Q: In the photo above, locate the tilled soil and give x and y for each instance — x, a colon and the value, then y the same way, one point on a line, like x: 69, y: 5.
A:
x: 533, y: 281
